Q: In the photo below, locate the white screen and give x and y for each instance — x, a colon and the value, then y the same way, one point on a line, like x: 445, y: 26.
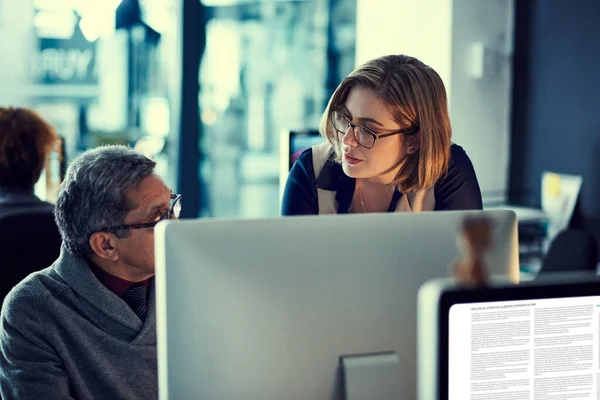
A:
x: 543, y: 349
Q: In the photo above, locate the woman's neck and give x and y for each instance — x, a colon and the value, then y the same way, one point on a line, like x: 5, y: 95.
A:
x: 372, y: 196
x: 387, y: 177
x: 374, y: 184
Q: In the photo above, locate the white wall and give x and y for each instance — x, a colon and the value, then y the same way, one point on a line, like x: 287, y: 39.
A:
x: 419, y: 28
x: 16, y: 44
x: 442, y: 33
x: 480, y: 106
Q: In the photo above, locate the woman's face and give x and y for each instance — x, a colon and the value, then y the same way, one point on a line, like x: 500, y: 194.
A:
x: 379, y: 163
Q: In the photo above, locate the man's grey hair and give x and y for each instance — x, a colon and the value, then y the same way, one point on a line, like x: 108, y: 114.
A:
x: 93, y: 195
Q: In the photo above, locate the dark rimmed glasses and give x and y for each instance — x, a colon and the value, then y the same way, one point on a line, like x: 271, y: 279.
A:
x: 173, y: 211
x: 363, y: 135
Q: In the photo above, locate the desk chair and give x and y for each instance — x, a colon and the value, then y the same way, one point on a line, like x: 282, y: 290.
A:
x: 571, y: 251
x: 30, y: 241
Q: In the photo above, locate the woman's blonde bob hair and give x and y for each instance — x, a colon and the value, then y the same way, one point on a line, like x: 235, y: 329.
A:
x: 415, y: 96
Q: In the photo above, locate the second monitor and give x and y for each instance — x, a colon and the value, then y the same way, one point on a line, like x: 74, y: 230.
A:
x: 536, y: 340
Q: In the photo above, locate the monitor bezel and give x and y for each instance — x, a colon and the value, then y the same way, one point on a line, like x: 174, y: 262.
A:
x: 527, y: 291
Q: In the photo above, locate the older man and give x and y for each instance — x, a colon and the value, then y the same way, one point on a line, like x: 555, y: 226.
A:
x: 84, y: 328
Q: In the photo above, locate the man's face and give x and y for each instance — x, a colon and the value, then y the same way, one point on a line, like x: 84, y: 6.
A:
x: 151, y: 199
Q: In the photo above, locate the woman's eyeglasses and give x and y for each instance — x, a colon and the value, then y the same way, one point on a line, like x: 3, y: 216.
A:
x: 363, y: 135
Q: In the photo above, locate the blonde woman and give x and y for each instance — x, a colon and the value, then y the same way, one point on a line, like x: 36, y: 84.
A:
x: 388, y: 147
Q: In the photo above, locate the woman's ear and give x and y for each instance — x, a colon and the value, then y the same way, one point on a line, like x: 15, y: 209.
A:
x: 413, y: 143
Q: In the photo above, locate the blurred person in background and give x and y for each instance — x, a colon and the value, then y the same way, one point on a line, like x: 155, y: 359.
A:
x: 26, y: 141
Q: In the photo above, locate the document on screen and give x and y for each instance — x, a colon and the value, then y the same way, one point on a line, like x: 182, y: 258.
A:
x: 546, y: 349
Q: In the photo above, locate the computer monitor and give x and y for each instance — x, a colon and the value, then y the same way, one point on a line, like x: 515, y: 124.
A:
x: 536, y: 340
x: 291, y: 145
x: 263, y: 309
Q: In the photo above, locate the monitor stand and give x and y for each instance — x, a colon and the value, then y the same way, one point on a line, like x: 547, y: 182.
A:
x: 372, y: 376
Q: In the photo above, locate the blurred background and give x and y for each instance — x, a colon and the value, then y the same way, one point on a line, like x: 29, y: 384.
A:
x: 211, y: 89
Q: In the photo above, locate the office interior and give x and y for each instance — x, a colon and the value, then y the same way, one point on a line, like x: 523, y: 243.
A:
x: 222, y: 93
x: 153, y: 74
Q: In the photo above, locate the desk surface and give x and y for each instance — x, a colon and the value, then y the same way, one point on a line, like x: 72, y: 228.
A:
x: 524, y: 214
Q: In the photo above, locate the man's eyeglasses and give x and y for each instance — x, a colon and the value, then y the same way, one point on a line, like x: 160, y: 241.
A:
x: 173, y: 212
x: 363, y: 135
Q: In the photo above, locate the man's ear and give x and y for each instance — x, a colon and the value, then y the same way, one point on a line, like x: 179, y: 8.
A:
x: 104, y: 245
x: 413, y: 143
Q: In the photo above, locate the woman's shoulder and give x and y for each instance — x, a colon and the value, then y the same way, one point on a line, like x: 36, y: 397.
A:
x: 315, y: 156
x: 299, y: 196
x: 302, y: 170
x: 458, y: 187
x: 459, y: 157
x: 459, y: 167
x: 304, y: 160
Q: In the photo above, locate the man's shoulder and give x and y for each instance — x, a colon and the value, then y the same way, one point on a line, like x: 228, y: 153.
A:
x: 32, y: 293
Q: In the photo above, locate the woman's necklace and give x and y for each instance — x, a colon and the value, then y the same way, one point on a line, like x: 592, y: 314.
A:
x: 362, y: 201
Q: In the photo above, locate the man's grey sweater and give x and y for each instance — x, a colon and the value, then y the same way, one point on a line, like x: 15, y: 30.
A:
x: 64, y: 335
